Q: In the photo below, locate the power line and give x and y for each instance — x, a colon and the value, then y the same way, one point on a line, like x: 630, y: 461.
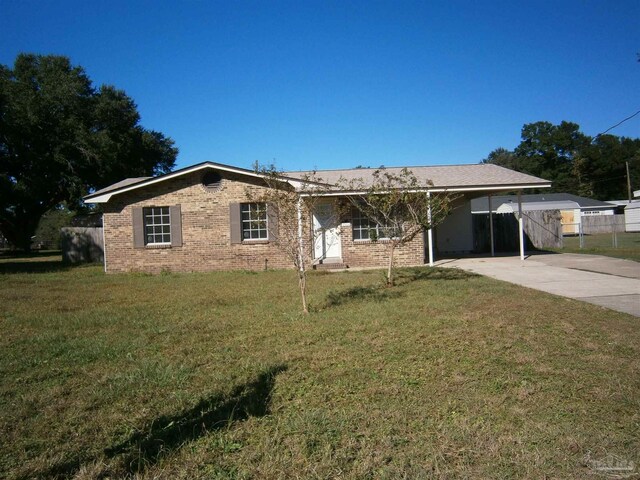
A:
x: 617, y: 124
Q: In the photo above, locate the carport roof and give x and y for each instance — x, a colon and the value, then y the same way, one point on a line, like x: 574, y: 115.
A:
x: 511, y: 207
x: 481, y: 205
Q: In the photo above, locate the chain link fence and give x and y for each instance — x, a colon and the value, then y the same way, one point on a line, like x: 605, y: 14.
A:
x: 617, y: 235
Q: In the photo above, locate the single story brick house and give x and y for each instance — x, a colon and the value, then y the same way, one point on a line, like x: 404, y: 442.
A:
x: 199, y: 218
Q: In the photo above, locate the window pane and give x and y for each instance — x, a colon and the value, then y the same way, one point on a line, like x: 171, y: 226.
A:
x: 254, y: 221
x: 157, y: 225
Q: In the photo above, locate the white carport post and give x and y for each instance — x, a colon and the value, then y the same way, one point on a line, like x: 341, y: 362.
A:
x: 493, y: 249
x: 520, y: 225
x: 430, y: 232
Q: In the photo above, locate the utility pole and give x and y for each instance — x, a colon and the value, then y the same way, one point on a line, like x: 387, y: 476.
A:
x: 628, y: 182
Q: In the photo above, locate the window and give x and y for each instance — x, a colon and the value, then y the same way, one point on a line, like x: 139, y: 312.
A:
x: 362, y: 226
x: 254, y: 221
x: 366, y: 229
x: 157, y: 226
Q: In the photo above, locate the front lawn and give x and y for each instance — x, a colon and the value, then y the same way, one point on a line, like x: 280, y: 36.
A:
x: 447, y: 375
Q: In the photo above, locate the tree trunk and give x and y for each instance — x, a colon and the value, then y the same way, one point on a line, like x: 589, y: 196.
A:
x: 392, y: 248
x: 302, y: 282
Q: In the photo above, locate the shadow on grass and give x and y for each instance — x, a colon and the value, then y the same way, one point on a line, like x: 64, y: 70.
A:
x: 33, y: 254
x: 382, y: 292
x: 171, y: 432
x: 377, y: 293
x: 33, y: 266
x: 32, y: 262
x: 408, y: 275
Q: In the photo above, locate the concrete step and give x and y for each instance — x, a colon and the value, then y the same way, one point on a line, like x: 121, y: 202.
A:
x: 331, y: 266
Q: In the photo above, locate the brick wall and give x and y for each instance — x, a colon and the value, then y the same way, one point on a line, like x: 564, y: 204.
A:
x: 206, y: 243
x: 365, y: 253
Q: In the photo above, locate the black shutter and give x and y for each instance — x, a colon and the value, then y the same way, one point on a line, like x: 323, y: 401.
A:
x: 176, y: 225
x: 235, y: 225
x: 272, y: 221
x: 138, y: 227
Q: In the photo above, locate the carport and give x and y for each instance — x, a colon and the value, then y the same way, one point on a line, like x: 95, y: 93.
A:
x: 457, y: 229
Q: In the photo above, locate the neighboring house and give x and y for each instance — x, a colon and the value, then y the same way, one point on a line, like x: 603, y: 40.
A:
x: 572, y: 207
x: 199, y: 218
x: 632, y: 216
x: 631, y: 212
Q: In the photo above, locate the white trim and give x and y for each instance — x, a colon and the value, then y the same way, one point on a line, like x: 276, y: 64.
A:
x: 258, y: 212
x: 150, y: 212
x: 105, y: 197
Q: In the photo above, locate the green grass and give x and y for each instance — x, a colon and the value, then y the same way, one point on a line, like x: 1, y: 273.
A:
x: 447, y: 375
x: 602, y: 244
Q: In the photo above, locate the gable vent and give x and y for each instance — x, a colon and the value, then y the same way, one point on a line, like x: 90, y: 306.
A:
x: 211, y: 181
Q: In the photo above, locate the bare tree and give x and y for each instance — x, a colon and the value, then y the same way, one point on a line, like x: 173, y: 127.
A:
x: 292, y: 208
x: 398, y: 206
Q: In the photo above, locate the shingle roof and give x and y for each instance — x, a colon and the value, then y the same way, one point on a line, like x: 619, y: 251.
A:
x: 482, y: 204
x: 445, y: 176
x: 442, y: 177
x: 122, y: 183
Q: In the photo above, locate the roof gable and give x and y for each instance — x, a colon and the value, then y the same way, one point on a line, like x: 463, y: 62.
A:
x: 105, y: 194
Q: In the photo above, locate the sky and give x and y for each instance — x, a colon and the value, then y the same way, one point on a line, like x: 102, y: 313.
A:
x: 339, y: 84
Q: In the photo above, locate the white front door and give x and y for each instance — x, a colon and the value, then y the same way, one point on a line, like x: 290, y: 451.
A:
x: 326, y: 232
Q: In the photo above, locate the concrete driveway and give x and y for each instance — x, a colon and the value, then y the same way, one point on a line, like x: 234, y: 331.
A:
x: 609, y: 282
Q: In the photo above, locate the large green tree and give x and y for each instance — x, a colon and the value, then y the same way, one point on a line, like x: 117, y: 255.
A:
x: 61, y: 138
x: 575, y: 163
x: 602, y: 170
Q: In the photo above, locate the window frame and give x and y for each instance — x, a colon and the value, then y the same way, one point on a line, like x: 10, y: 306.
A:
x: 361, y: 223
x: 164, y: 216
x: 251, y: 209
